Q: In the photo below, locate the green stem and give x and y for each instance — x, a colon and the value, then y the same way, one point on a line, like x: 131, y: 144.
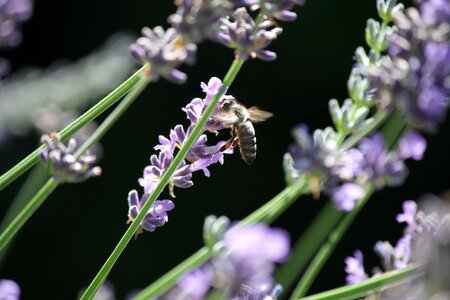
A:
x: 196, y: 132
x: 34, y: 181
x: 265, y: 213
x: 325, y: 251
x: 277, y: 205
x: 394, y: 128
x: 51, y: 184
x: 26, y: 213
x: 307, y: 245
x: 114, y: 116
x: 368, y: 286
x: 72, y: 128
x: 170, y: 278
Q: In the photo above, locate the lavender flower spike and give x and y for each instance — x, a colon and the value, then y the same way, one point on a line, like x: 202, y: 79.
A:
x: 62, y: 163
x: 9, y: 290
x: 164, y: 51
x: 248, y: 37
x: 155, y: 217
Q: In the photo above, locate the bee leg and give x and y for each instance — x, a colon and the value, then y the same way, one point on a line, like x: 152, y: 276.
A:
x: 230, y: 143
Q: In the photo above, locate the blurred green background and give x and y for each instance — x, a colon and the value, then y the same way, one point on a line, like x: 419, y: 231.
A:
x: 65, y: 243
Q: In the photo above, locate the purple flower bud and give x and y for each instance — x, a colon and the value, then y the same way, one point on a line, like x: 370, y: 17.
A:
x: 355, y: 269
x: 62, y: 163
x: 155, y: 217
x: 412, y: 145
x: 409, y: 215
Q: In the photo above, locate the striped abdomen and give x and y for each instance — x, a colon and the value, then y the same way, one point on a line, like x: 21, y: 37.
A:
x: 245, y: 134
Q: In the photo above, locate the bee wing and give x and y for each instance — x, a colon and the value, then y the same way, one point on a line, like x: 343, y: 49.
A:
x: 258, y: 115
x: 226, y: 117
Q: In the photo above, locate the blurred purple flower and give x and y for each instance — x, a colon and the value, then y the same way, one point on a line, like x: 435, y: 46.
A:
x: 164, y: 51
x: 412, y: 145
x: 248, y: 37
x: 13, y: 13
x: 196, y: 20
x: 355, y: 269
x: 346, y: 195
x: 409, y: 215
x: 279, y: 9
x: 9, y: 290
x: 252, y: 252
x: 63, y: 164
x: 196, y: 283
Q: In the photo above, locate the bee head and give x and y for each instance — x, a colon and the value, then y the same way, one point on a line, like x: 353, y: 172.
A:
x: 228, y: 103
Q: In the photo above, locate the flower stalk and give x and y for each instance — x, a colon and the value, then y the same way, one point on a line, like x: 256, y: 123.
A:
x: 51, y: 184
x: 196, y: 132
x: 266, y: 213
x: 29, y: 161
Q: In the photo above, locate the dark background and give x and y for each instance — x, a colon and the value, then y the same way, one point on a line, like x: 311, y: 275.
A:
x: 67, y: 240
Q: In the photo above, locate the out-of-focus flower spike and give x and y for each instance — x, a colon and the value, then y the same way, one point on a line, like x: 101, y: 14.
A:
x: 62, y: 163
x: 165, y: 51
x: 248, y: 37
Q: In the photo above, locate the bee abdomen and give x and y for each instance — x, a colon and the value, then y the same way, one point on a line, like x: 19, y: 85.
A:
x: 247, y: 141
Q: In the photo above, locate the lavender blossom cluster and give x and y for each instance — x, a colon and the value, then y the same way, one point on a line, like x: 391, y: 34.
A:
x: 344, y: 174
x: 64, y: 164
x: 240, y: 268
x: 199, y: 158
x: 414, y: 77
x: 425, y: 242
x: 223, y: 21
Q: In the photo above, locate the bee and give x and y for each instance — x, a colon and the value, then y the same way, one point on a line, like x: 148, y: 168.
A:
x: 240, y: 119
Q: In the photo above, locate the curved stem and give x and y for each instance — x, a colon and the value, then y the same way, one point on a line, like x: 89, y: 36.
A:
x: 196, y: 132
x: 325, y: 251
x: 114, y: 116
x: 28, y: 210
x: 368, y: 286
x: 266, y: 213
x: 72, y: 128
